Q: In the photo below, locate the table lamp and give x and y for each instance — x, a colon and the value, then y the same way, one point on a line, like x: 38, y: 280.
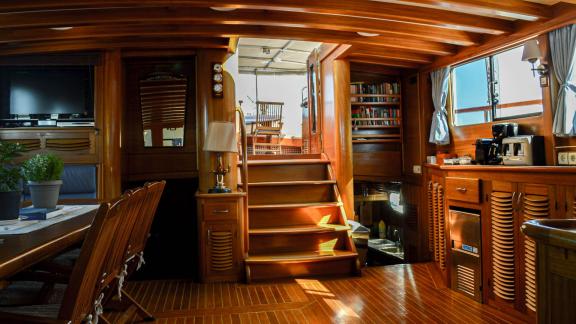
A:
x: 221, y: 138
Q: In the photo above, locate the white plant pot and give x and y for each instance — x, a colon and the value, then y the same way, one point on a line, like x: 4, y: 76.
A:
x: 45, y: 193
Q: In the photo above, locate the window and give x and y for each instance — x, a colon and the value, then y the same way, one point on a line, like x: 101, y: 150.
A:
x: 497, y: 87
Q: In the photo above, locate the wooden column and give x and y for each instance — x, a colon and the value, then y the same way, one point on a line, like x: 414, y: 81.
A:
x: 343, y: 122
x: 336, y: 131
x: 109, y: 121
x: 213, y: 109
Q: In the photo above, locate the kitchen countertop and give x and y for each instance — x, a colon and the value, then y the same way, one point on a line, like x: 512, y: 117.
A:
x: 504, y: 168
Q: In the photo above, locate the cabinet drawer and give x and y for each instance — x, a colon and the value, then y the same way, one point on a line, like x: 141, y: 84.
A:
x: 218, y: 210
x: 463, y: 189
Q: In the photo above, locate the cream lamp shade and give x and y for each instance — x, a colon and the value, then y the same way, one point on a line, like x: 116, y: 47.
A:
x: 221, y: 137
x: 531, y: 51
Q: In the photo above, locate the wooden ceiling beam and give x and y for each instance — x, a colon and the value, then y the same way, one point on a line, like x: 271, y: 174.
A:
x: 515, y: 9
x: 385, y: 62
x: 129, y: 43
x: 357, y: 8
x: 187, y: 15
x: 390, y: 54
x: 107, y: 31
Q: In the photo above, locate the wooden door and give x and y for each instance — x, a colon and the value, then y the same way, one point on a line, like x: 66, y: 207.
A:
x: 437, y: 227
x: 221, y: 250
x: 536, y: 202
x: 499, y: 243
x: 313, y: 129
x: 567, y: 209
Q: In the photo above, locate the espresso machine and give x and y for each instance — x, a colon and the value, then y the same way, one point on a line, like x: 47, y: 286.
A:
x: 489, y: 151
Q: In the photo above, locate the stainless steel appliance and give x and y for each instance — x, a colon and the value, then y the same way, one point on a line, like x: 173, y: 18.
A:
x: 499, y: 132
x: 466, y: 265
x: 523, y: 150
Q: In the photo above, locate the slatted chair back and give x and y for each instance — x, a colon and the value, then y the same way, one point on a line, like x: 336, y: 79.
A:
x: 139, y: 235
x: 268, y: 117
x: 83, y: 290
x: 115, y: 260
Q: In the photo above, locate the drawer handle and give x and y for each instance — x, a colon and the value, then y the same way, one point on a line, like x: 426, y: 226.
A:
x: 221, y: 211
x: 462, y: 189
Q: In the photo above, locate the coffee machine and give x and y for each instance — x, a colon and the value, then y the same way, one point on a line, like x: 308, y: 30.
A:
x: 499, y: 132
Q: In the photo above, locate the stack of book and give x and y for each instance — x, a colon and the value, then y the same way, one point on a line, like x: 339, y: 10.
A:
x: 384, y: 89
x: 360, y: 113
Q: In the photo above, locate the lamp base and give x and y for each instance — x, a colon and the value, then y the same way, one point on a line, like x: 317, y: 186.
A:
x: 219, y: 190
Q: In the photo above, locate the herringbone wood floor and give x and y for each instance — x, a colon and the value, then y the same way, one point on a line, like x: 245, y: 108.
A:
x: 392, y: 294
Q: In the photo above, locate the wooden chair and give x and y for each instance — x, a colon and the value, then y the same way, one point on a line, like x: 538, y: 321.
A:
x: 83, y: 295
x: 268, y: 123
x: 137, y: 243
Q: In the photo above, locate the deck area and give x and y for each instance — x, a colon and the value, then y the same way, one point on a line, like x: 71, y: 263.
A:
x: 392, y: 294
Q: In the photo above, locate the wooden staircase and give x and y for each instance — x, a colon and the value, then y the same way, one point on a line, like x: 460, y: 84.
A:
x: 296, y: 224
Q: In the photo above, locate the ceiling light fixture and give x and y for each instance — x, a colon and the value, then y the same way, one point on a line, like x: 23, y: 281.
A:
x: 367, y: 34
x: 61, y: 28
x: 223, y: 9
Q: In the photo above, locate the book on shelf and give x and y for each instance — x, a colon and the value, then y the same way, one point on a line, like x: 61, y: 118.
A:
x: 384, y: 91
x: 369, y: 116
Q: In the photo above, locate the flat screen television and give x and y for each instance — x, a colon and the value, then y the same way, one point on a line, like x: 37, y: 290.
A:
x: 42, y: 91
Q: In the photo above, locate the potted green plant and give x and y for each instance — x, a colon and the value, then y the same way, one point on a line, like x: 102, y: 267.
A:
x: 10, y: 192
x: 44, y: 172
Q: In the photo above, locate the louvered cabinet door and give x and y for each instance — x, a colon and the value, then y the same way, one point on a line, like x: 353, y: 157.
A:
x: 440, y: 225
x: 502, y: 211
x: 537, y: 202
x: 431, y: 219
x: 221, y: 248
x: 570, y: 206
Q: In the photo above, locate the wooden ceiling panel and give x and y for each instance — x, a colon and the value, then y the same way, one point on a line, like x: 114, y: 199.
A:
x: 408, y: 33
x: 163, y: 15
x: 514, y: 9
x: 357, y: 8
x: 108, y: 31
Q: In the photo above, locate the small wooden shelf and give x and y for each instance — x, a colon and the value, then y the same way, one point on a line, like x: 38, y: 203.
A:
x: 373, y: 141
x: 360, y: 95
x: 374, y: 126
x: 376, y: 104
x: 375, y: 135
x: 373, y: 197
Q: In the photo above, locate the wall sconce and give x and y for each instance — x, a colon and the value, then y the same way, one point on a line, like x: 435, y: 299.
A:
x: 217, y: 80
x: 532, y: 54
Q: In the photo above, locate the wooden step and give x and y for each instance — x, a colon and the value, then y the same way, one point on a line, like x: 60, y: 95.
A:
x: 299, y: 229
x: 290, y: 183
x: 298, y: 241
x: 287, y: 170
x: 292, y: 193
x: 270, y: 216
x: 301, y: 264
x: 295, y: 205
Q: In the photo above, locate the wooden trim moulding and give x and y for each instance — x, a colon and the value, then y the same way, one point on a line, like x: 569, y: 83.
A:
x: 564, y: 14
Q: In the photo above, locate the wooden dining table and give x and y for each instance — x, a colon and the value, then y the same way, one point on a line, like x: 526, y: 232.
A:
x: 21, y: 251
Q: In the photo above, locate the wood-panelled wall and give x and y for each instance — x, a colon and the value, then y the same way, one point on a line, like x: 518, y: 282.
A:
x: 336, y: 132
x: 209, y: 109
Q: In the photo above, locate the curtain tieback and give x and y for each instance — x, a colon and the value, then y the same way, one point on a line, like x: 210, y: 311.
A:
x: 569, y: 85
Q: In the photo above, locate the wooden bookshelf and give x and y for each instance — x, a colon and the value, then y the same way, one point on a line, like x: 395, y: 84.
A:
x: 377, y: 132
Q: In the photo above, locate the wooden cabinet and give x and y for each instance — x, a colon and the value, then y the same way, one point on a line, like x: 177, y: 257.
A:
x: 511, y: 258
x: 463, y: 189
x: 377, y: 128
x: 221, y: 236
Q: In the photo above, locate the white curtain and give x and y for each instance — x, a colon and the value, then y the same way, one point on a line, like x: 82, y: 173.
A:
x: 439, y: 131
x: 563, y: 49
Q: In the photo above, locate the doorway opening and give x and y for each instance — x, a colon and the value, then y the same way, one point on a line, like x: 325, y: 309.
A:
x: 273, y: 91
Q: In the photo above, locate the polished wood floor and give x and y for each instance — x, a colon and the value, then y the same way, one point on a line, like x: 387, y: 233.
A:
x: 392, y: 294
